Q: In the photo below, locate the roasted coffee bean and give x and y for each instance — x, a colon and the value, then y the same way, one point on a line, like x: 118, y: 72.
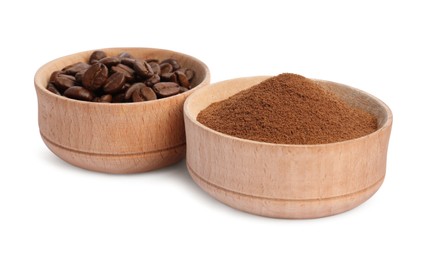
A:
x: 119, y: 98
x: 153, y: 80
x: 143, y: 93
x: 155, y: 67
x: 173, y: 62
x: 95, y: 76
x: 166, y: 68
x: 79, y: 76
x: 182, y: 79
x: 128, y: 61
x: 167, y: 76
x: 124, y: 69
x: 103, y: 99
x: 190, y: 74
x: 79, y: 93
x: 149, y: 94
x: 166, y: 89
x: 53, y: 89
x: 110, y: 61
x: 75, y: 68
x: 133, y: 88
x: 96, y: 56
x: 114, y: 83
x: 173, y: 78
x: 143, y: 69
x: 124, y: 55
x: 183, y: 89
x: 53, y: 76
x: 63, y: 81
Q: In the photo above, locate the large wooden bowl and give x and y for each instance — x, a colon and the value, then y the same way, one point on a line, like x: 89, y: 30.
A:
x: 115, y: 138
x: 286, y: 181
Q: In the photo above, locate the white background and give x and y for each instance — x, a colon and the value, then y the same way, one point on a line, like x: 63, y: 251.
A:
x: 52, y: 210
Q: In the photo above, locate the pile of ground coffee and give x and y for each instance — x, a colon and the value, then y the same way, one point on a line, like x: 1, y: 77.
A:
x: 288, y: 109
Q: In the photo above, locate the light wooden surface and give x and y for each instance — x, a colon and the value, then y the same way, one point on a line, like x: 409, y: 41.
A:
x: 115, y: 138
x: 286, y: 181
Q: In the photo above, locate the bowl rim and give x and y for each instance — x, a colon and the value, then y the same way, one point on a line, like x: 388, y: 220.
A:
x: 38, y: 74
x: 189, y: 116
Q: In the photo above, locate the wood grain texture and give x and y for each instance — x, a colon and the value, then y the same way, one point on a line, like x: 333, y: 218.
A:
x: 115, y: 138
x: 286, y: 181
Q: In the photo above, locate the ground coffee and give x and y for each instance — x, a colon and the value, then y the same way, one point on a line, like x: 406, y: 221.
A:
x: 288, y: 109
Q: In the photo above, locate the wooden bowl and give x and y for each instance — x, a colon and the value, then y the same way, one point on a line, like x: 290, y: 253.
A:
x: 286, y: 181
x: 115, y: 138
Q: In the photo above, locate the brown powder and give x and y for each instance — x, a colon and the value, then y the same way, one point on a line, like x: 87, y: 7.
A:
x: 288, y: 109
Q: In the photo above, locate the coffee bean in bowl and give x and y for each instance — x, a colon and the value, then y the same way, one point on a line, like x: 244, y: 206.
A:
x: 112, y: 76
x: 100, y: 110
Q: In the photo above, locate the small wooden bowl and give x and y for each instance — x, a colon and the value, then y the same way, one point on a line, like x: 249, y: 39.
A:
x: 115, y: 138
x: 286, y: 181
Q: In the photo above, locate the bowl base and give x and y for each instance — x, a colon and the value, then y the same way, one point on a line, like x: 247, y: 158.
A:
x: 286, y: 208
x: 119, y: 163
